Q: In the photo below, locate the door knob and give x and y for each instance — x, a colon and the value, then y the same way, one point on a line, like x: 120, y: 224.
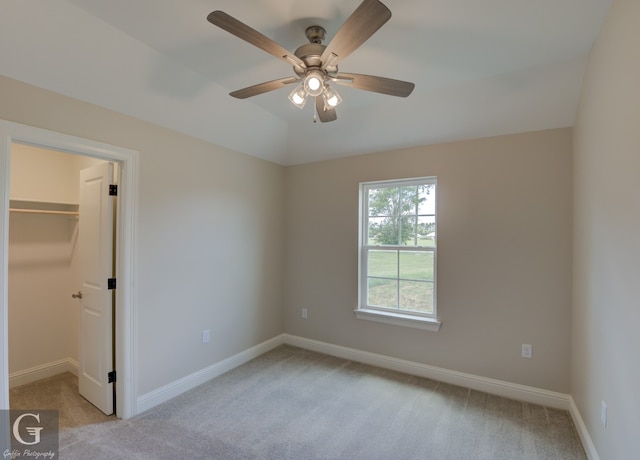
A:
x: 77, y: 296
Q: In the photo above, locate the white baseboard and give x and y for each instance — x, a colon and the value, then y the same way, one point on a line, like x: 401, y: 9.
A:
x: 171, y: 390
x: 43, y: 371
x: 585, y: 437
x: 498, y: 387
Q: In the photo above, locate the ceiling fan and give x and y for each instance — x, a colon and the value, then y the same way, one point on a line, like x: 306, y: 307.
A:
x: 316, y: 65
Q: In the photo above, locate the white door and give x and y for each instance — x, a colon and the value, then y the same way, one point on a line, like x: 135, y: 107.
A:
x: 95, y: 245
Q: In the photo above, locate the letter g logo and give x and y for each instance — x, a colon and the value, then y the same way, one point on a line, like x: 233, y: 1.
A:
x: 33, y: 431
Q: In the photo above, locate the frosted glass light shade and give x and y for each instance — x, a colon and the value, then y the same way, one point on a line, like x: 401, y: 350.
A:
x: 298, y: 96
x: 331, y: 97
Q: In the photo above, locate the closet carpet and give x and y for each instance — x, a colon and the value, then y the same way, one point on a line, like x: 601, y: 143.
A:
x: 60, y: 393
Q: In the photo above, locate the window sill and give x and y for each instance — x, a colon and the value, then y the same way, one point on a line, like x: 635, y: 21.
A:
x: 398, y: 319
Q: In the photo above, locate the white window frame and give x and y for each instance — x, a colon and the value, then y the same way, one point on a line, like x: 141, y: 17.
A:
x: 393, y: 316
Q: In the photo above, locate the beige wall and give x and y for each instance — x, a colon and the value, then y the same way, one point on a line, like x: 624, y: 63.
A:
x: 504, y: 255
x: 606, y: 311
x: 41, y: 175
x: 42, y: 324
x: 210, y: 226
x: 44, y: 175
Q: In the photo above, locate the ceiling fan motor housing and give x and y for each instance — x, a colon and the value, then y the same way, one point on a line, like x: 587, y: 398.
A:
x: 310, y: 54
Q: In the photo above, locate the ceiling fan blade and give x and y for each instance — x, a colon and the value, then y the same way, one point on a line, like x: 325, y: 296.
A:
x: 252, y: 36
x: 376, y: 84
x: 325, y: 115
x: 263, y: 87
x: 362, y: 24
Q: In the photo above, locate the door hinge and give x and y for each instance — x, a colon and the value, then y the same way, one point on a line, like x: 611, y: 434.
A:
x: 113, y: 190
x: 111, y: 377
x: 111, y: 283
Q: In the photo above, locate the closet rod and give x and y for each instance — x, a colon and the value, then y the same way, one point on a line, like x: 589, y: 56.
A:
x: 44, y: 211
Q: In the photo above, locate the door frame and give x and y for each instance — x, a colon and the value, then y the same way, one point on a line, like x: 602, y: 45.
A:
x: 126, y: 249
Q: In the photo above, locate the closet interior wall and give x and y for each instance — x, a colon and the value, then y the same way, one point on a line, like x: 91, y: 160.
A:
x: 43, y: 317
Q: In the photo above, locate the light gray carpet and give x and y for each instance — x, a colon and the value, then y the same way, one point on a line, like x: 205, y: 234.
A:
x: 295, y: 404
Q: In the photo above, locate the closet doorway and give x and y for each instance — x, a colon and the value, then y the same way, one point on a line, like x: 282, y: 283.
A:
x: 12, y: 136
x: 61, y: 258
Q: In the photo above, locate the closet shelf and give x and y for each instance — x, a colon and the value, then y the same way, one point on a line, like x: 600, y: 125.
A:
x: 43, y: 207
x: 44, y: 211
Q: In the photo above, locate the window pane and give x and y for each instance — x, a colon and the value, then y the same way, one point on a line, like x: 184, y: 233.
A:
x: 416, y: 296
x: 383, y: 293
x: 375, y: 226
x: 384, y: 231
x: 384, y: 201
x: 409, y: 200
x: 383, y: 263
x: 408, y: 231
x: 427, y: 199
x: 427, y: 231
x: 416, y: 266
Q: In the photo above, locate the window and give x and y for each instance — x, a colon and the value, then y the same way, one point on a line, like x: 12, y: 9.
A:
x: 398, y: 252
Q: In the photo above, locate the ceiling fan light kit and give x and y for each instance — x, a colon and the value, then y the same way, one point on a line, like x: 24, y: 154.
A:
x: 315, y: 64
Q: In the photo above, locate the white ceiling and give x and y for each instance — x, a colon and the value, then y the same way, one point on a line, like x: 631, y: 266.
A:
x: 481, y: 68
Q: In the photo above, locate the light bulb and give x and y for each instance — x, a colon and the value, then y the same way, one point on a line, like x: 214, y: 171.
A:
x: 314, y: 83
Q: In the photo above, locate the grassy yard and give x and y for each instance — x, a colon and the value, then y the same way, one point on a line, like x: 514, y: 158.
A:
x: 408, y: 273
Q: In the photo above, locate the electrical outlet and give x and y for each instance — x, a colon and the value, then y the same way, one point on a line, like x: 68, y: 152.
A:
x: 205, y: 336
x: 304, y: 313
x: 603, y: 413
x: 527, y: 350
